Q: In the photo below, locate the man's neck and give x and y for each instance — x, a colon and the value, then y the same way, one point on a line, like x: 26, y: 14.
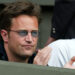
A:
x: 13, y: 59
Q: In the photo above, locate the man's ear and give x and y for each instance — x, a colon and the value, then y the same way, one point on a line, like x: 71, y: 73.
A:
x: 4, y: 35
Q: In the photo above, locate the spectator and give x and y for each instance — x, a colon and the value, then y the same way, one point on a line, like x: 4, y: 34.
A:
x: 19, y: 31
x: 63, y: 23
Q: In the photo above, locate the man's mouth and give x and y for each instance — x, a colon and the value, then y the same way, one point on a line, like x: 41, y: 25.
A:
x: 28, y: 46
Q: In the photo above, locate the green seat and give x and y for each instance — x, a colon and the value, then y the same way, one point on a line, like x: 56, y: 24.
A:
x: 11, y: 68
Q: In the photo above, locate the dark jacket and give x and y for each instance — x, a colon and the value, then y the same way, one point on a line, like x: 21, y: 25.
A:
x: 63, y: 23
x: 3, y: 55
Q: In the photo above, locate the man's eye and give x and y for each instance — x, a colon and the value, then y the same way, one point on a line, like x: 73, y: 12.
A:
x: 22, y: 33
x: 34, y: 33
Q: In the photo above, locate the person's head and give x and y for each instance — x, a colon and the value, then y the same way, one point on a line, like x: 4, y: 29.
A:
x: 19, y: 28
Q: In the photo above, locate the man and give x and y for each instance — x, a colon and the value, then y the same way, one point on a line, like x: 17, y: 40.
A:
x: 19, y: 31
x: 63, y: 52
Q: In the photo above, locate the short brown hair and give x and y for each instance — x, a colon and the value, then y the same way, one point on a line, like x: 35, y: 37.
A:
x: 15, y: 9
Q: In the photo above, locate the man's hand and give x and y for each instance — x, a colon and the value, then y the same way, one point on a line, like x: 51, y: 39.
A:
x: 42, y: 56
x: 69, y: 64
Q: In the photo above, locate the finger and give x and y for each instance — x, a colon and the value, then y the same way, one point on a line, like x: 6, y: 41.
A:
x: 42, y: 55
x: 73, y: 67
x: 47, y: 59
x: 38, y: 55
x: 72, y: 60
x: 45, y: 49
x: 36, y: 60
x: 37, y: 50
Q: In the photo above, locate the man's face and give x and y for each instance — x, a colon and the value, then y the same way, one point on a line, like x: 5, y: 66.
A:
x: 22, y: 40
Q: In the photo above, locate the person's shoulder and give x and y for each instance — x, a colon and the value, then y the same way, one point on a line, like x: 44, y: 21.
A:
x: 71, y: 41
x: 3, y: 55
x: 62, y: 44
x: 1, y: 45
x: 61, y: 51
x: 58, y: 42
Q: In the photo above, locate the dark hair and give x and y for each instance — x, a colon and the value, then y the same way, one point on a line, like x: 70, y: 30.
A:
x: 15, y: 9
x: 2, y: 6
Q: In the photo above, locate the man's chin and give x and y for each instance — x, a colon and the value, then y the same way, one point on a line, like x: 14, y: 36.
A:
x: 28, y: 53
x: 25, y: 55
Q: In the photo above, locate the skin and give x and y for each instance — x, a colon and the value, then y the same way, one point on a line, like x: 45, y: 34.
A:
x: 20, y: 48
x: 50, y: 40
x: 70, y: 63
x: 43, y: 56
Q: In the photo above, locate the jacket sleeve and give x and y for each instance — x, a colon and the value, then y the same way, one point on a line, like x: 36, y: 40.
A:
x: 62, y: 18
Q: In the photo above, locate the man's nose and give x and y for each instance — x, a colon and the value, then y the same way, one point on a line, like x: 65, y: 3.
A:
x: 28, y: 38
